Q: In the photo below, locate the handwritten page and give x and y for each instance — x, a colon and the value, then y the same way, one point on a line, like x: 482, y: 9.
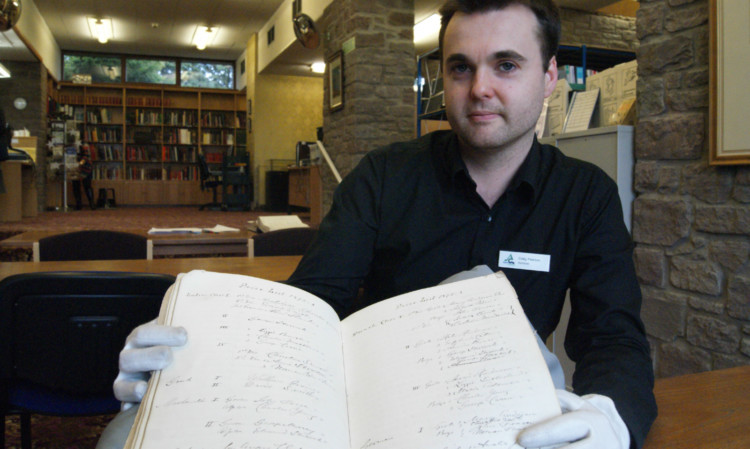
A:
x: 454, y: 366
x: 262, y: 369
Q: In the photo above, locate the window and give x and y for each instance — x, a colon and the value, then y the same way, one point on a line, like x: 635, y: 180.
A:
x: 146, y: 70
x: 217, y: 75
x: 102, y: 68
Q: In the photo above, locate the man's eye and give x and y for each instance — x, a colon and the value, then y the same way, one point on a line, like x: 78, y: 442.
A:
x: 506, y: 66
x: 460, y: 68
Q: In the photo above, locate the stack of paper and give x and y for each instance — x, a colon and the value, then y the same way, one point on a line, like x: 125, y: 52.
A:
x: 275, y: 222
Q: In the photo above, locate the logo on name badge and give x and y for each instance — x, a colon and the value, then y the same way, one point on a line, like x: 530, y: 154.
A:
x: 524, y: 261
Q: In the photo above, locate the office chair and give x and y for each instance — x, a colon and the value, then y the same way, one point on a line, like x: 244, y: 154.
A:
x: 209, y: 180
x: 283, y: 242
x: 60, y: 338
x: 237, y: 183
x: 93, y: 245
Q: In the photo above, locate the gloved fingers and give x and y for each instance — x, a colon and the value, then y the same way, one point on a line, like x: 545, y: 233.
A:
x: 560, y: 429
x: 129, y: 391
x: 145, y: 359
x: 569, y: 401
x: 152, y: 334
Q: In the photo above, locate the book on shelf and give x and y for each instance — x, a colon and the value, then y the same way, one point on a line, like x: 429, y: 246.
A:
x: 269, y: 365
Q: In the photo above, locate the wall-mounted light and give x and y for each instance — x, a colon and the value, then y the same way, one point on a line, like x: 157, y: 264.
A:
x: 204, y: 36
x: 318, y: 67
x: 4, y: 72
x: 101, y: 29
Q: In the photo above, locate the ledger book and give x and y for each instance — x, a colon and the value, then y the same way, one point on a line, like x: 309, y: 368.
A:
x: 268, y: 366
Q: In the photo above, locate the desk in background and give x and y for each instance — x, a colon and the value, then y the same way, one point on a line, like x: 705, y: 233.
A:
x: 20, y: 198
x: 305, y: 190
x: 274, y: 268
x: 225, y: 244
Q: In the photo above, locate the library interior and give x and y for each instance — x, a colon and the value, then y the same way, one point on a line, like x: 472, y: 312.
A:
x: 188, y: 123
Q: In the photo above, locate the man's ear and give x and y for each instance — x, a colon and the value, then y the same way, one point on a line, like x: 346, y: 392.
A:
x: 550, y: 77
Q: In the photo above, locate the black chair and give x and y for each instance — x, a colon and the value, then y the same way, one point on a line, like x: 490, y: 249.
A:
x: 209, y: 180
x: 283, y: 242
x: 60, y: 337
x: 237, y: 183
x: 93, y: 245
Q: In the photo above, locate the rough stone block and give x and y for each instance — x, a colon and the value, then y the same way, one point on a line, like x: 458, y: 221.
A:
x: 687, y: 99
x: 688, y: 17
x: 650, y: 96
x: 730, y: 254
x: 656, y: 176
x: 713, y: 333
x: 670, y: 53
x: 745, y: 346
x: 725, y: 361
x: 739, y: 297
x: 710, y: 184
x: 722, y: 219
x: 649, y: 20
x: 675, y: 136
x: 678, y: 358
x: 661, y: 221
x: 663, y: 314
x: 700, y: 276
x: 650, y: 266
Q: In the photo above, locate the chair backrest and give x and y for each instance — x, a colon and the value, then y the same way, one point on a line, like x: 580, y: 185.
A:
x: 283, y: 242
x: 61, y: 333
x: 93, y: 245
x: 203, y: 167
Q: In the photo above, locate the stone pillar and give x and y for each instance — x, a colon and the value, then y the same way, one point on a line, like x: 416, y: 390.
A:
x: 379, y: 68
x: 691, y: 221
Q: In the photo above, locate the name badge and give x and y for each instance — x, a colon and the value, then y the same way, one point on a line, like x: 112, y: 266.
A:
x: 524, y: 261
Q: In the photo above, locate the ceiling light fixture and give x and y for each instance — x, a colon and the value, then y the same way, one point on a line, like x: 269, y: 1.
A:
x: 4, y: 73
x: 204, y: 36
x: 318, y: 67
x: 427, y: 29
x: 101, y: 29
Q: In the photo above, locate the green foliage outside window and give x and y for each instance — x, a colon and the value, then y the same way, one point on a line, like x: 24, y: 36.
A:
x: 156, y: 71
x: 103, y: 69
x: 207, y: 74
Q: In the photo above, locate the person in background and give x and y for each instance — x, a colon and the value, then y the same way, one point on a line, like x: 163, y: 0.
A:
x: 85, y: 174
x: 487, y: 192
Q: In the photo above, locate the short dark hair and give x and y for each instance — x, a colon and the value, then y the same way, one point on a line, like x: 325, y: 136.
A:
x: 546, y: 12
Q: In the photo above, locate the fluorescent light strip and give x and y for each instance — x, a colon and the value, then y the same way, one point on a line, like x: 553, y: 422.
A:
x: 204, y: 36
x: 4, y: 72
x: 101, y: 29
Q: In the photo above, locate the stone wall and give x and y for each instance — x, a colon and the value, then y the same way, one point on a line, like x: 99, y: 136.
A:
x: 598, y: 30
x: 378, y: 77
x: 691, y: 221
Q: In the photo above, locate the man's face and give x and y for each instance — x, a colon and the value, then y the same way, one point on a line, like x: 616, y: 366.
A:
x: 495, y: 83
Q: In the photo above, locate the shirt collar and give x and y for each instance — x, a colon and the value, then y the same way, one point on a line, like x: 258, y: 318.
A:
x: 529, y: 176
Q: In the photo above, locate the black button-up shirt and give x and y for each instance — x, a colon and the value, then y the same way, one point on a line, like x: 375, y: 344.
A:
x: 409, y: 216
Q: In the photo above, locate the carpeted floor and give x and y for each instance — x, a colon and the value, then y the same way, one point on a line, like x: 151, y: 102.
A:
x: 51, y: 432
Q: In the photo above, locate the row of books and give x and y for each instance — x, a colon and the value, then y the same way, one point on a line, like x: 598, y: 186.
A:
x: 179, y: 136
x: 95, y: 135
x: 180, y: 118
x: 144, y: 117
x: 574, y: 74
x: 100, y: 100
x: 142, y: 153
x: 114, y: 173
x: 218, y: 138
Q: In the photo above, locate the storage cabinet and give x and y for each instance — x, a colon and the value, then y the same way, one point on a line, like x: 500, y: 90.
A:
x: 145, y: 140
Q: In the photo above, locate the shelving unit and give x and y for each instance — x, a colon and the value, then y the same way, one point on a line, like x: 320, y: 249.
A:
x: 145, y: 140
x: 428, y: 67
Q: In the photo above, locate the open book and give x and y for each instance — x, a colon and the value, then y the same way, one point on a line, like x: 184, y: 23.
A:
x: 268, y: 223
x: 267, y: 365
x: 216, y: 230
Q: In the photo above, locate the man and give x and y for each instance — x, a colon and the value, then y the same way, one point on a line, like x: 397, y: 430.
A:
x: 414, y: 213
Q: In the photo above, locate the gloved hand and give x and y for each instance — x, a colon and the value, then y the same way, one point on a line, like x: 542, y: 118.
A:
x: 587, y: 422
x: 147, y: 348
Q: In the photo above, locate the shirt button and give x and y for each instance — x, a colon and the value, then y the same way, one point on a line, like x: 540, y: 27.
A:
x: 489, y: 218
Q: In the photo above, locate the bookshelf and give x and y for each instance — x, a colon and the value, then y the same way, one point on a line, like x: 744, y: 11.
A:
x: 145, y: 140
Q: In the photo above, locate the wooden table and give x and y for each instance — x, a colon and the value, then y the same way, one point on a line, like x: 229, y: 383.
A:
x: 225, y: 243
x: 705, y: 410
x: 274, y: 268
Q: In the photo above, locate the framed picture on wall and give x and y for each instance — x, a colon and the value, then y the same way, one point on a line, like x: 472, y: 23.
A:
x: 729, y: 92
x: 336, y: 82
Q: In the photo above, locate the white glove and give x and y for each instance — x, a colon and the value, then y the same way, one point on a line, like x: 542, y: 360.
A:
x: 147, y: 348
x: 587, y: 422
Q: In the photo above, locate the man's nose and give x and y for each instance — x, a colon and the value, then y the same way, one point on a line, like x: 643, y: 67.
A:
x: 481, y: 86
